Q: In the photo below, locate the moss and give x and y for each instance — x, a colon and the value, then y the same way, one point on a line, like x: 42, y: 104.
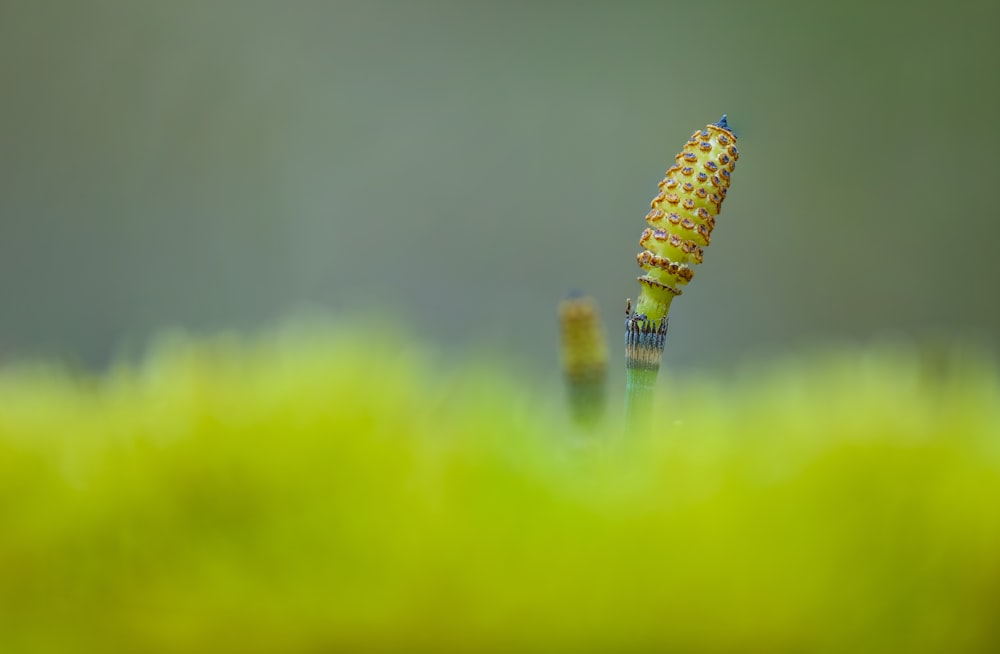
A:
x: 299, y: 493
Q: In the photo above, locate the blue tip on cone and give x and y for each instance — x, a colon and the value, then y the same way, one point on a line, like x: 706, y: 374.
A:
x: 724, y: 124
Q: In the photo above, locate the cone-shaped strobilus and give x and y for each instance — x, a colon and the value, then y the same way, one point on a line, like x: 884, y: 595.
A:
x: 680, y: 220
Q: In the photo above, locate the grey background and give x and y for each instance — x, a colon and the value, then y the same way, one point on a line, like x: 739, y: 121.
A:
x: 460, y: 166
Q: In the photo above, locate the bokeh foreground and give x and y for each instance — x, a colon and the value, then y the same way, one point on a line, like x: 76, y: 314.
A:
x: 319, y: 490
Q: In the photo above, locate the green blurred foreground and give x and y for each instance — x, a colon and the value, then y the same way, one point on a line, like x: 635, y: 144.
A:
x: 292, y: 494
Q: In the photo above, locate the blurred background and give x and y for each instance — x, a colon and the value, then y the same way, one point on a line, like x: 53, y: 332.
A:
x: 460, y: 167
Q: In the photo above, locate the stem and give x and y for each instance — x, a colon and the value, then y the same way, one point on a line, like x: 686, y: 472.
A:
x: 644, y: 341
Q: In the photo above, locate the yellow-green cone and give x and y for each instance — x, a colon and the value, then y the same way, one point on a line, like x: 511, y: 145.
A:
x: 681, y: 220
x: 584, y: 358
x: 682, y: 217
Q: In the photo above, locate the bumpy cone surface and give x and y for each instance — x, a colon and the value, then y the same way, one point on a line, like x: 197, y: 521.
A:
x: 682, y: 217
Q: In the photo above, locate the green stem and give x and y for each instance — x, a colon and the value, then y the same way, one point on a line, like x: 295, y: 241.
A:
x: 644, y: 341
